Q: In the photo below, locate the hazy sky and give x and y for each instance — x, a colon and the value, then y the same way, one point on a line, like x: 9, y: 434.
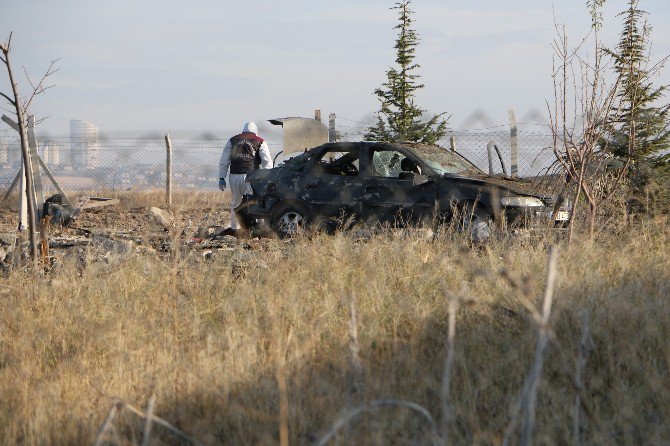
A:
x: 151, y: 65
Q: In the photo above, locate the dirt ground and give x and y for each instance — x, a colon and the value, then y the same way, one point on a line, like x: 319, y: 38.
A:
x: 197, y: 221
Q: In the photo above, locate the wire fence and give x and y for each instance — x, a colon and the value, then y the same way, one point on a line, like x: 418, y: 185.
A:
x: 535, y: 155
x: 140, y: 163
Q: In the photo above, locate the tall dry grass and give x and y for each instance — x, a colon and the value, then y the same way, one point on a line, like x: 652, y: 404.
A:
x: 234, y: 345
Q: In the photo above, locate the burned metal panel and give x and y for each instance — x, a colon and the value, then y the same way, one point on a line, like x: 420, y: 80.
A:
x: 301, y: 133
x: 394, y: 200
x: 331, y: 184
x: 395, y: 190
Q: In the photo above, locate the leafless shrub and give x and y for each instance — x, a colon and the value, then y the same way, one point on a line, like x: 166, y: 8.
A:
x: 585, y: 100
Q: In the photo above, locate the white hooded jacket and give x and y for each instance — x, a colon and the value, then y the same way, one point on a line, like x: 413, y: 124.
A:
x: 263, y: 151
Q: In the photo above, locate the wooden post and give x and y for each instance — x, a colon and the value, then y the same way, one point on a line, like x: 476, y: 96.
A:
x: 452, y: 144
x: 333, y: 135
x: 514, y: 149
x: 168, y: 171
x: 37, y: 178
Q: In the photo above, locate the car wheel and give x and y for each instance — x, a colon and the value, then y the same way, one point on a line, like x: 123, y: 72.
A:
x: 289, y: 219
x: 476, y: 222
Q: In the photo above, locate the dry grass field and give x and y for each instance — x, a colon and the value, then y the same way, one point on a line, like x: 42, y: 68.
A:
x: 257, y: 342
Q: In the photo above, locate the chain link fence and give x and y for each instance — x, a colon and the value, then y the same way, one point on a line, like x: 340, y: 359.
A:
x: 106, y: 164
x: 535, y: 155
x: 119, y: 163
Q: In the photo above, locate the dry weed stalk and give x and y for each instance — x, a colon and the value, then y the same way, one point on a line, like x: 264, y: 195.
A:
x: 352, y: 414
x: 447, y: 411
x: 585, y: 346
x: 147, y: 425
x: 107, y: 428
x: 439, y: 434
x: 283, y: 390
x: 356, y: 375
x: 525, y: 405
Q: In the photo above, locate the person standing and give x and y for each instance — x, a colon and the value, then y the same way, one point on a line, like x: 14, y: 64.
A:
x: 242, y: 154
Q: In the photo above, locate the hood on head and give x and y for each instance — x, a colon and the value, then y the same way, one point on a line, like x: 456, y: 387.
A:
x: 250, y: 127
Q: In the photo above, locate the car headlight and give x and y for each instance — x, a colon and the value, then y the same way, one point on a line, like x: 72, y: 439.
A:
x: 521, y: 201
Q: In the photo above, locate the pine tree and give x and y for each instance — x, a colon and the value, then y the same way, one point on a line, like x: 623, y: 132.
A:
x: 641, y: 124
x: 399, y: 118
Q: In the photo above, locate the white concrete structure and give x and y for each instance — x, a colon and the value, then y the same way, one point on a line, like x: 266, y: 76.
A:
x: 50, y: 153
x: 4, y: 153
x: 84, y: 144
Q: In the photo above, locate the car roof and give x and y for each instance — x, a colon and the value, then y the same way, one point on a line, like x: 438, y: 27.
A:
x: 397, y: 145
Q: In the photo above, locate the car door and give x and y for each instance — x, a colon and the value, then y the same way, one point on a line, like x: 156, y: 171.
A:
x: 391, y: 194
x: 333, y: 185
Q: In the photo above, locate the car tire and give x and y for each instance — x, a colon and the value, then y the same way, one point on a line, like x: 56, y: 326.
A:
x: 475, y: 221
x: 289, y: 219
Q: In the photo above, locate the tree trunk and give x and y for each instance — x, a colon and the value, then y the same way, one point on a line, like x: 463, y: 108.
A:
x: 592, y: 217
x: 27, y: 165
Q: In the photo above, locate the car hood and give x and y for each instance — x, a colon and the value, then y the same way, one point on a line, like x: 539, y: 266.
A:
x: 514, y: 186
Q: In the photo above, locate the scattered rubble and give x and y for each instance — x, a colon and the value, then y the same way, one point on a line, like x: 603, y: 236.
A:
x: 162, y: 217
x: 107, y: 235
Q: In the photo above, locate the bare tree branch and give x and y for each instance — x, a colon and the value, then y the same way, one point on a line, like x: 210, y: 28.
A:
x: 40, y: 87
x: 28, y: 77
x: 8, y: 98
x: 41, y: 120
x: 7, y: 110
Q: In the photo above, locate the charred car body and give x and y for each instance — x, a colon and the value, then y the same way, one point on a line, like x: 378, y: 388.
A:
x: 390, y: 184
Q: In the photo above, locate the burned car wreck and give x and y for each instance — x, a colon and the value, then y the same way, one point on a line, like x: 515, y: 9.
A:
x: 389, y: 183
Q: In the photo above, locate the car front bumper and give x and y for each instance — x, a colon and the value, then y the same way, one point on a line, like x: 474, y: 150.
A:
x: 536, y: 216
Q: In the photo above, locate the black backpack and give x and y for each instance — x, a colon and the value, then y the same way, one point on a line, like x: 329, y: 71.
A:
x: 244, y: 156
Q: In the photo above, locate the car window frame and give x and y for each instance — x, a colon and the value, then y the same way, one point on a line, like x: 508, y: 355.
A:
x: 407, y: 152
x: 321, y: 152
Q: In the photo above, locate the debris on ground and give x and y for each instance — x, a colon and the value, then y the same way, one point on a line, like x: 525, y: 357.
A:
x: 162, y: 217
x: 107, y: 234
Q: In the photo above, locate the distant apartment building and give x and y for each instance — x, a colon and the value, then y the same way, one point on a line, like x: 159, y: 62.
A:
x: 84, y: 144
x: 4, y: 154
x: 50, y: 152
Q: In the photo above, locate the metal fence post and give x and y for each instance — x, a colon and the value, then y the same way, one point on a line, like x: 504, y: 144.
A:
x: 514, y: 149
x: 452, y: 144
x: 168, y: 171
x: 333, y: 134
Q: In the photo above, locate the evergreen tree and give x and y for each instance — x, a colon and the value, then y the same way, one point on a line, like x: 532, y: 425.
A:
x: 641, y: 124
x: 399, y: 118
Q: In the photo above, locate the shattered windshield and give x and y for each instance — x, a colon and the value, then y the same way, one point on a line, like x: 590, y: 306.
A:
x: 445, y: 161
